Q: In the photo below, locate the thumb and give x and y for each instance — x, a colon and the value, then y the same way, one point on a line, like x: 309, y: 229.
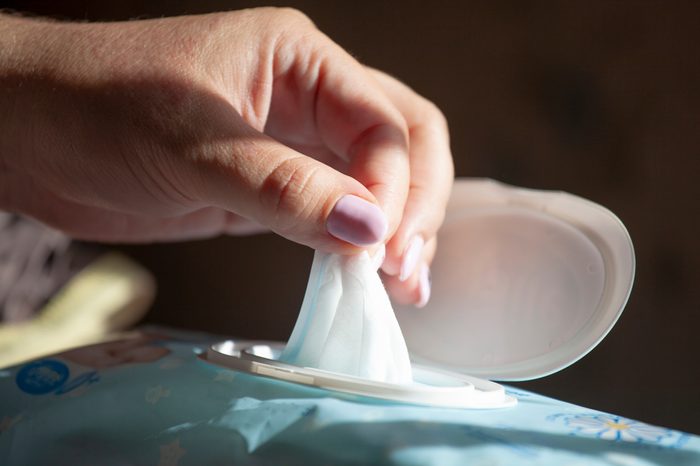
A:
x: 294, y: 195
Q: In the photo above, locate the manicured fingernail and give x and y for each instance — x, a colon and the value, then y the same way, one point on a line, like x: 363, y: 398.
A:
x: 357, y: 221
x: 411, y: 256
x: 423, y: 286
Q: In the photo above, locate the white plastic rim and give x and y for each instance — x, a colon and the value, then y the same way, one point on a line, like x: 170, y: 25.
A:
x: 433, y: 387
x: 525, y: 283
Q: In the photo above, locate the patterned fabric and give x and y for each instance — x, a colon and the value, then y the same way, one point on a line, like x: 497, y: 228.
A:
x: 35, y: 262
x: 151, y: 401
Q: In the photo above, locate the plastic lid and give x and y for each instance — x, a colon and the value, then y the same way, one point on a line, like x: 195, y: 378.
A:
x: 431, y: 387
x: 525, y: 283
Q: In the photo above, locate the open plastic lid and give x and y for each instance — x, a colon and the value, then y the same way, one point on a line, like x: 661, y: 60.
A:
x: 525, y: 283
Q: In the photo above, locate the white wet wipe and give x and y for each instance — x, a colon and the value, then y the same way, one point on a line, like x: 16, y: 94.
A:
x: 346, y: 323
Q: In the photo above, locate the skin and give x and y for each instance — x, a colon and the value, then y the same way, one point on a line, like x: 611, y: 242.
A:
x: 229, y: 123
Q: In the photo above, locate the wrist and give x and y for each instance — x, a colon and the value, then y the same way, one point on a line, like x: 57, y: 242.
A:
x: 22, y: 44
x: 14, y: 61
x: 33, y: 61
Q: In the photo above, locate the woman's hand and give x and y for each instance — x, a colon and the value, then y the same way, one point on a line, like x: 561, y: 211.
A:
x: 189, y: 127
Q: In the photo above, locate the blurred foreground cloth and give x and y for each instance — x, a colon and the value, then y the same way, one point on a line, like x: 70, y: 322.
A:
x: 35, y: 262
x: 56, y: 293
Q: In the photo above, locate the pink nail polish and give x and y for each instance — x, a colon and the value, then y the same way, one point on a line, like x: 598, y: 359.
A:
x: 411, y: 256
x: 357, y: 221
x: 423, y: 286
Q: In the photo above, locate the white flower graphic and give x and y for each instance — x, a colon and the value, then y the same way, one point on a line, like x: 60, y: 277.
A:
x: 610, y: 427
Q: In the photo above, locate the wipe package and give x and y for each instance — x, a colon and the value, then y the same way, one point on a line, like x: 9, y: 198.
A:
x: 154, y: 401
x: 346, y: 323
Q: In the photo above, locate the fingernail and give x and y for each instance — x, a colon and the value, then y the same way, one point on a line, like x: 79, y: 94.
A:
x: 411, y: 256
x: 423, y: 286
x: 357, y: 221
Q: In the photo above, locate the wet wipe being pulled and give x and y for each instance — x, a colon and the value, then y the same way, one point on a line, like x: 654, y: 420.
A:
x: 346, y: 323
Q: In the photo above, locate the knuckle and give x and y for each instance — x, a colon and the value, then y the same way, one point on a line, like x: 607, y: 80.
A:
x: 435, y: 115
x: 292, y: 17
x: 293, y: 33
x: 289, y: 188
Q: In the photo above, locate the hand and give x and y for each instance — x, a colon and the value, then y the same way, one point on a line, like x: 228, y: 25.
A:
x: 190, y: 127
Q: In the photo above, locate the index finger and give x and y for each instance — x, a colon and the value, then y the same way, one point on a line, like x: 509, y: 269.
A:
x: 431, y: 172
x: 355, y: 119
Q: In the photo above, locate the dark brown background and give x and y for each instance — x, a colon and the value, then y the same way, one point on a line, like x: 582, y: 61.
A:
x: 600, y: 99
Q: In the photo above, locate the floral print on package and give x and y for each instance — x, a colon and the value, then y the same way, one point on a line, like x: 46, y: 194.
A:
x: 152, y: 400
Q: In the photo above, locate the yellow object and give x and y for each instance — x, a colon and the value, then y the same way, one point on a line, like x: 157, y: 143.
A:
x: 110, y: 294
